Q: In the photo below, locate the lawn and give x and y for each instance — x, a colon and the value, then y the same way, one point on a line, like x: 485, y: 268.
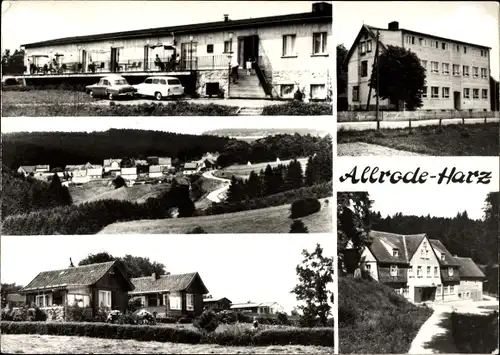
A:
x: 297, y: 108
x: 481, y: 139
x: 475, y: 334
x: 265, y: 220
x: 44, y: 97
x: 49, y: 344
x: 373, y: 319
x: 244, y: 170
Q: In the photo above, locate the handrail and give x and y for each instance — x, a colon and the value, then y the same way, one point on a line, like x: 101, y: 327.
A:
x: 263, y: 80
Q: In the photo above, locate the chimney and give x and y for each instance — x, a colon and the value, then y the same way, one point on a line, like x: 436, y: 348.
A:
x: 153, y: 276
x: 322, y: 8
x: 394, y: 26
x: 226, y: 17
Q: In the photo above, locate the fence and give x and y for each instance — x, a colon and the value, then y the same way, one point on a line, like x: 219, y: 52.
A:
x: 353, y: 116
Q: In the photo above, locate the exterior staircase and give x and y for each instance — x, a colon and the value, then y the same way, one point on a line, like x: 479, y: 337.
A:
x: 250, y: 111
x: 247, y: 86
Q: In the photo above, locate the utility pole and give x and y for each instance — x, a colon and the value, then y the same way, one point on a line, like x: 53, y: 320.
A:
x: 378, y: 85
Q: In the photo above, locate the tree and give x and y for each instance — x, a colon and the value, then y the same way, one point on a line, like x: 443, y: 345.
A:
x: 494, y: 92
x: 353, y: 226
x: 298, y: 227
x: 6, y: 289
x: 401, y: 77
x: 294, y: 178
x: 102, y: 257
x: 270, y: 187
x: 235, y: 192
x: 58, y: 193
x: 341, y: 78
x: 119, y: 182
x: 315, y: 273
x: 253, y: 187
x: 491, y: 215
x: 310, y: 175
x: 127, y: 163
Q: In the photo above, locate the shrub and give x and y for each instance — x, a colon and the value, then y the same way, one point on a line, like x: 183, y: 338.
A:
x: 119, y: 182
x: 78, y: 314
x: 134, y: 304
x: 297, y: 108
x: 304, y: 207
x: 474, y: 333
x: 127, y: 318
x: 207, y: 321
x: 283, y: 318
x: 185, y: 320
x: 197, y: 230
x: 298, y: 227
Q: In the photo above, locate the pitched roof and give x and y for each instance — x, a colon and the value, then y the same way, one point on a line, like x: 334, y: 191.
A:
x: 407, y: 245
x: 371, y: 31
x: 469, y: 269
x: 165, y: 161
x: 301, y: 18
x: 28, y: 168
x: 155, y: 169
x: 211, y: 300
x: 191, y: 165
x: 43, y: 166
x: 449, y: 260
x: 107, y: 162
x: 79, y: 275
x: 164, y: 283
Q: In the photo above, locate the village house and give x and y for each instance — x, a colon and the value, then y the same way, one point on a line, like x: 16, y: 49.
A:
x: 82, y: 174
x: 471, y: 280
x: 217, y: 304
x: 457, y: 72
x: 287, y: 52
x: 129, y: 173
x: 253, y: 308
x: 96, y: 285
x: 13, y: 300
x: 155, y: 171
x: 112, y: 165
x: 34, y: 170
x: 419, y: 268
x: 170, y: 295
x: 192, y: 168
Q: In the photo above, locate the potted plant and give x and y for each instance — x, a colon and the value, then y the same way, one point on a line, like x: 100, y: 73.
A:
x: 299, y: 94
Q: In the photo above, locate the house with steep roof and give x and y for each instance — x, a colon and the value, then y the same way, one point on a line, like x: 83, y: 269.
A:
x: 217, y: 304
x: 26, y: 170
x: 192, y: 168
x: 81, y: 174
x: 450, y: 278
x: 95, y: 285
x: 112, y: 165
x: 170, y: 295
x: 457, y: 72
x: 471, y: 280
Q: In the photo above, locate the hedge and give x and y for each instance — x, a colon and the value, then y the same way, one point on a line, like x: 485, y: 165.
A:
x: 297, y: 108
x: 285, y: 336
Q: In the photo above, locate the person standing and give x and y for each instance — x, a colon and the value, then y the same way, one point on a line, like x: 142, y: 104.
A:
x: 234, y: 68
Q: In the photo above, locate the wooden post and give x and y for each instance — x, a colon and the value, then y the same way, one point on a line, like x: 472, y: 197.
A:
x: 409, y: 121
x: 378, y: 85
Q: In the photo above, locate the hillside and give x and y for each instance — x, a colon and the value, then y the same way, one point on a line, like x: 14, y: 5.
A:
x: 262, y: 132
x: 265, y: 220
x: 374, y: 319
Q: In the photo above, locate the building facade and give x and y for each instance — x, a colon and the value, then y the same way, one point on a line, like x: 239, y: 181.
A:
x: 457, y: 73
x: 288, y: 52
x: 471, y: 280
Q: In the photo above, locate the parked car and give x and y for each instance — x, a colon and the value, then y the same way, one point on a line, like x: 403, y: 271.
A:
x: 112, y: 87
x: 160, y: 87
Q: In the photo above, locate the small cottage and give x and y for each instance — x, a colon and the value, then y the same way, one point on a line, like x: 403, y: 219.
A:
x: 217, y: 304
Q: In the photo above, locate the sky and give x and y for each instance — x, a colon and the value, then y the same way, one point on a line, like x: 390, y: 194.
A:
x: 57, y: 19
x: 469, y: 21
x: 257, y: 268
x: 185, y: 125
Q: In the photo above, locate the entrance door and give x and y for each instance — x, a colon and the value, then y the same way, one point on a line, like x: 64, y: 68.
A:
x: 114, y: 60
x: 84, y: 60
x: 188, y: 55
x: 241, y: 51
x: 146, y: 57
x: 456, y: 100
x: 251, y: 48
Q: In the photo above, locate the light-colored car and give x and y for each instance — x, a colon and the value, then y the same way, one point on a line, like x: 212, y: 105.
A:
x: 160, y: 87
x: 112, y: 87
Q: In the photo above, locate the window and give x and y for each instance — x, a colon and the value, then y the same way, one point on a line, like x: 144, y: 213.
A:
x: 484, y: 93
x: 429, y: 272
x: 395, y: 252
x: 424, y: 91
x: 450, y: 271
x: 444, y: 46
x: 475, y: 93
x: 446, y: 93
x: 436, y: 271
x: 148, y: 81
x: 228, y: 46
x: 438, y: 290
x: 42, y: 300
x: 466, y: 70
x: 406, y: 291
x: 210, y: 48
x: 410, y: 272
x: 436, y: 44
x: 442, y: 256
x: 355, y: 93
x: 362, y: 48
x: 156, y: 81
x: 289, y: 46
x: 424, y: 64
x: 318, y: 91
x: 434, y: 92
x: 456, y: 70
x: 452, y: 289
x: 189, y: 302
x: 368, y: 267
x: 419, y: 271
x: 80, y: 300
x: 446, y: 68
x: 364, y: 68
x: 173, y: 82
x: 319, y: 43
x: 445, y: 290
x: 484, y: 73
x: 175, y: 302
x: 421, y: 41
x: 408, y: 39
x: 457, y: 48
x: 286, y: 90
x: 369, y: 46
x: 163, y: 82
x: 484, y: 53
x: 394, y: 270
x: 465, y: 50
x: 422, y: 253
x: 426, y: 253
x: 475, y: 72
x: 435, y: 67
x: 466, y: 93
x: 105, y: 298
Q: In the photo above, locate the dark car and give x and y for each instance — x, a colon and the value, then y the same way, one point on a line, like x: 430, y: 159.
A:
x: 112, y: 87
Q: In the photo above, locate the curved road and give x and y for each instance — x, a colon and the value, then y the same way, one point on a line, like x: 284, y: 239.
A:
x: 219, y: 194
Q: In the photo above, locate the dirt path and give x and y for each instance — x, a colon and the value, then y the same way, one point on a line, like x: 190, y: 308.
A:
x: 367, y: 149
x: 49, y: 344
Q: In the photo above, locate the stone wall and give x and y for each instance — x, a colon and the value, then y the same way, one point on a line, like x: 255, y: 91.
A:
x: 304, y: 78
x: 54, y: 313
x: 212, y: 76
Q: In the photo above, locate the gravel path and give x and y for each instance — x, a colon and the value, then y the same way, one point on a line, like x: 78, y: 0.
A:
x: 366, y: 149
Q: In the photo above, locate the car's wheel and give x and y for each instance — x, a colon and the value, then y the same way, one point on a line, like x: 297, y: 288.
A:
x: 110, y: 96
x: 91, y: 94
x: 158, y: 96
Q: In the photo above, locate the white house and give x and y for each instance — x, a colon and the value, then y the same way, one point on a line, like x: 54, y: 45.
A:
x: 129, y: 173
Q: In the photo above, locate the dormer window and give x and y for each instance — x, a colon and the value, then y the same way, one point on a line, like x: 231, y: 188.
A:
x: 450, y: 271
x: 442, y: 256
x: 395, y: 252
x: 394, y: 270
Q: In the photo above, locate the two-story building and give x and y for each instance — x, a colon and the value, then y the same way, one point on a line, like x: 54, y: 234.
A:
x: 419, y: 268
x: 286, y: 51
x: 457, y: 73
x: 471, y: 280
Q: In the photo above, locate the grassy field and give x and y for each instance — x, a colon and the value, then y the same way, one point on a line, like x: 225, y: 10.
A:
x: 480, y: 139
x: 100, y: 190
x: 475, y: 334
x: 44, y: 97
x: 48, y: 344
x: 373, y: 319
x: 265, y: 220
x: 244, y: 170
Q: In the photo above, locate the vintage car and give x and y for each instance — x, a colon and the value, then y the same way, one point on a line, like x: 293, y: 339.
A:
x: 160, y: 87
x: 112, y: 87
